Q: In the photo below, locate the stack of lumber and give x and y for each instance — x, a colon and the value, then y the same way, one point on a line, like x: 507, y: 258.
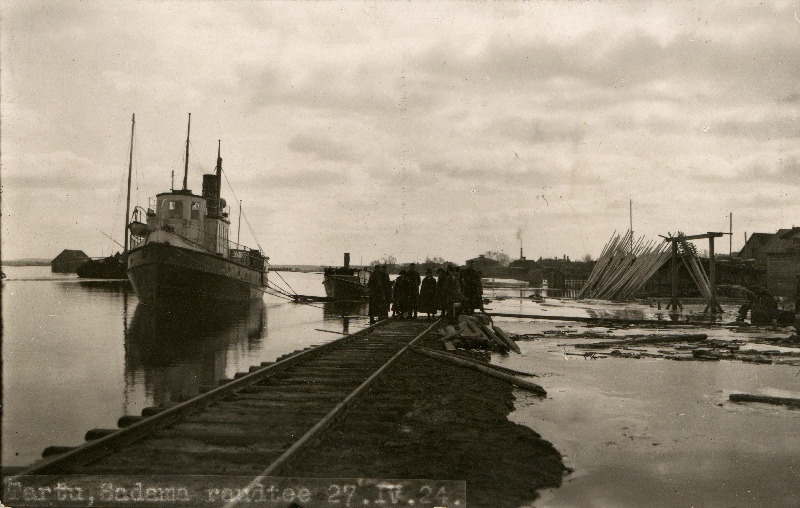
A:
x: 477, y: 332
x: 623, y: 267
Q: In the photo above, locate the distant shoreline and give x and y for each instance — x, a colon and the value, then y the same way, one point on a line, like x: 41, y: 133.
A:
x: 26, y: 262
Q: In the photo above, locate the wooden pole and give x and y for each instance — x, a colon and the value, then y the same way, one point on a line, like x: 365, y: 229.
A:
x: 128, y: 202
x: 514, y: 380
x: 630, y: 209
x: 674, y: 276
x: 712, y: 277
x: 186, y: 163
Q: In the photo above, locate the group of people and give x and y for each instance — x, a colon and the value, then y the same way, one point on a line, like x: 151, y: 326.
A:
x: 453, y: 292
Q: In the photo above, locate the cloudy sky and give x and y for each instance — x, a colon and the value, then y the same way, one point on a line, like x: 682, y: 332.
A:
x: 410, y: 129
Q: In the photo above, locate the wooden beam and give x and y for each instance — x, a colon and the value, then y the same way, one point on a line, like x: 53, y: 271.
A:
x: 691, y: 237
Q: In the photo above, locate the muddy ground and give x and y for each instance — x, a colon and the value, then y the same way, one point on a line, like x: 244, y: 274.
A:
x: 431, y: 420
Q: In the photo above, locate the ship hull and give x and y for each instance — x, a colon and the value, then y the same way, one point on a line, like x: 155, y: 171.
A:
x: 175, y: 277
x: 107, y: 268
x: 345, y: 288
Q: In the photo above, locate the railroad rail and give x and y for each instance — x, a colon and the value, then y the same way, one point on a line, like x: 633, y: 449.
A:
x: 249, y: 425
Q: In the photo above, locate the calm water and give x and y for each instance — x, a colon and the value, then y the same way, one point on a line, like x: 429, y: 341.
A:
x: 656, y: 432
x: 79, y: 354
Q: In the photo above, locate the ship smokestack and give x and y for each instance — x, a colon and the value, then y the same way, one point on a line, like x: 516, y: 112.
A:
x: 347, y: 260
x: 219, y: 167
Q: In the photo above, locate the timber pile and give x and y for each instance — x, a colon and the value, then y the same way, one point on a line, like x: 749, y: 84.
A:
x: 477, y: 332
x: 623, y: 267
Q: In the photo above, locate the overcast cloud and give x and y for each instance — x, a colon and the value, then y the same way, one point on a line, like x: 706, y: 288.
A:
x: 410, y: 129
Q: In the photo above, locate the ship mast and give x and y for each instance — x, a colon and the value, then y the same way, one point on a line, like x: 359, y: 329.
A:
x: 186, y: 165
x: 130, y: 170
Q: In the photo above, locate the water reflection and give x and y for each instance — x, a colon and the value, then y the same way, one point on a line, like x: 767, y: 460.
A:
x: 172, y: 355
x: 334, y: 311
x: 87, y: 353
x: 105, y: 286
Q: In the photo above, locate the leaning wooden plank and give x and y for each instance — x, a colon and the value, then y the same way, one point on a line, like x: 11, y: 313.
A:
x: 508, y: 340
x: 765, y: 399
x: 449, y: 336
x: 495, y: 346
x: 493, y: 336
x: 485, y: 364
x: 521, y: 383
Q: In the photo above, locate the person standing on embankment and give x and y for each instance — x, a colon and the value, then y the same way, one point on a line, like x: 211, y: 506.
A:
x: 471, y: 286
x: 414, y: 278
x: 377, y: 295
x: 427, y: 295
x: 387, y: 290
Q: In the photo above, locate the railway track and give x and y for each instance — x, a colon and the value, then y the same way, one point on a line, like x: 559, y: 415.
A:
x: 247, y: 426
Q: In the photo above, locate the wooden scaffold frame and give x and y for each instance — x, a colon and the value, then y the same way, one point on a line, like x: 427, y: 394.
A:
x: 706, y: 284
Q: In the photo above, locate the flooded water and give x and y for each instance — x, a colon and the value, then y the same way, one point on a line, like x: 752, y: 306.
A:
x: 79, y: 354
x: 648, y: 432
x: 655, y: 432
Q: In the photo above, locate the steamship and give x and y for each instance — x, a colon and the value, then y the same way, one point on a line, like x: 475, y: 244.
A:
x: 182, y: 256
x: 345, y: 282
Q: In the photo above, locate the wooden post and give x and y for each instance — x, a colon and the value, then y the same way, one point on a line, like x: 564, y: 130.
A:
x: 712, y: 277
x: 673, y: 305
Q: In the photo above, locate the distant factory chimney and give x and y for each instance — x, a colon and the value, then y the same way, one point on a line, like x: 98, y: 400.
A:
x: 347, y: 260
x: 520, y: 253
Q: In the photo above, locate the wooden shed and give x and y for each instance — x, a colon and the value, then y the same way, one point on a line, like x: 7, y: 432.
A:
x: 754, y: 248
x: 783, y: 261
x: 68, y: 261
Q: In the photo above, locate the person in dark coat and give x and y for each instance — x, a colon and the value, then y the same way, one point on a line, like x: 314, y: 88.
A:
x: 414, y: 281
x: 440, y: 275
x: 377, y: 296
x: 427, y: 295
x: 387, y: 290
x: 400, y: 297
x: 450, y: 292
x: 472, y: 288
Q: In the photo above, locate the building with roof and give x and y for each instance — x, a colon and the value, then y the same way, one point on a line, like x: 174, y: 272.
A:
x: 782, y: 253
x: 754, y: 248
x: 68, y: 261
x: 487, y: 266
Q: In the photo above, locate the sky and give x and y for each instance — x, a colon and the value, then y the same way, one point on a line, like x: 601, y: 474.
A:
x: 405, y: 129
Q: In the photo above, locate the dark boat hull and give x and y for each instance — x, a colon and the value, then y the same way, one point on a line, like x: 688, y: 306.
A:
x: 107, y: 268
x: 173, y: 277
x: 343, y: 287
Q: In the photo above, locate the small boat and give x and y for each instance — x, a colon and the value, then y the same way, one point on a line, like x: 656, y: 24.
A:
x: 183, y: 258
x: 345, y: 282
x: 111, y: 267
